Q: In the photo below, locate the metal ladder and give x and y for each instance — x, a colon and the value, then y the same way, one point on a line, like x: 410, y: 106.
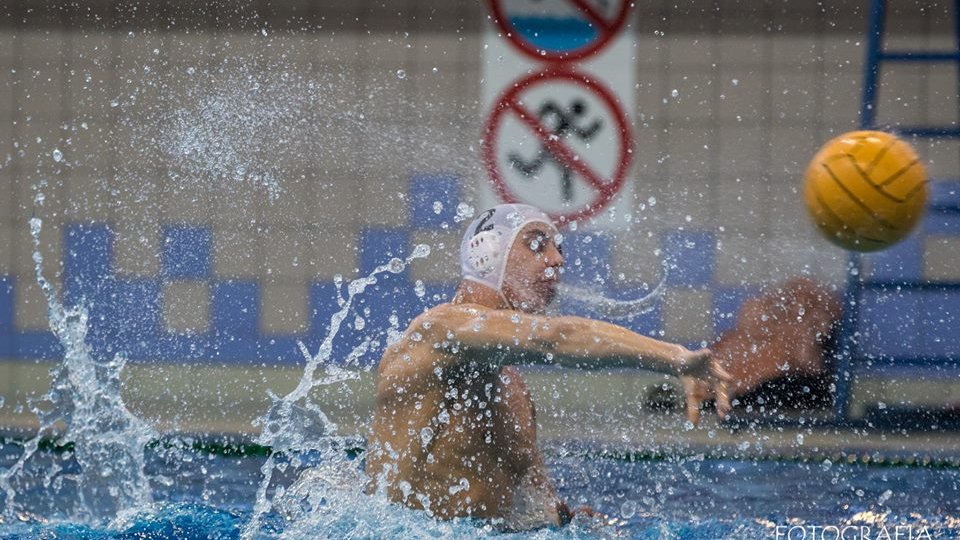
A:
x: 945, y: 199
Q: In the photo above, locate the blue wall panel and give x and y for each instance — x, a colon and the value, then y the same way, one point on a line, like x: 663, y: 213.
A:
x: 126, y: 319
x: 235, y: 308
x: 727, y: 302
x: 36, y: 344
x: 587, y: 259
x: 433, y: 200
x: 185, y: 252
x: 690, y: 257
x: 942, y: 223
x: 889, y: 323
x: 900, y: 262
x: 940, y: 323
x: 6, y: 305
x: 88, y: 261
x: 649, y: 323
x: 378, y: 246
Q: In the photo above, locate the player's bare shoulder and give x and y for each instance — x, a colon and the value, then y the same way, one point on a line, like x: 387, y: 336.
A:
x: 431, y: 340
x: 442, y: 322
x: 419, y: 346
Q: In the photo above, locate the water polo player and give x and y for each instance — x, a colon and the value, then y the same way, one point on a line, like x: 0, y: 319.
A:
x: 454, y: 430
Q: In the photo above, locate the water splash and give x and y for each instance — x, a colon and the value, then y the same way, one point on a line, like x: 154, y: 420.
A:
x: 286, y: 436
x: 253, y: 123
x: 83, y: 407
x: 612, y: 308
x: 328, y: 502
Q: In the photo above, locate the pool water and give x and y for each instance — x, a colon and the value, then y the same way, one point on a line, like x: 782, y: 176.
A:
x: 204, y: 495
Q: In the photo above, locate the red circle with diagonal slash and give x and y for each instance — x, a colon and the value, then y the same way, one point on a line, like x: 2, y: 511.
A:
x: 608, y: 28
x: 508, y: 103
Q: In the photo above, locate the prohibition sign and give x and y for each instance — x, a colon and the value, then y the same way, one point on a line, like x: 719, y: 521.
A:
x: 511, y: 105
x: 584, y: 18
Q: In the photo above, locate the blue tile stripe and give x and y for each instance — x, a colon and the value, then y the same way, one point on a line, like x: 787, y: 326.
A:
x: 127, y: 313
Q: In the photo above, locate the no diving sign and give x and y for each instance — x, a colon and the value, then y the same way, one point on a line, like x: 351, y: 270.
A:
x: 559, y: 140
x: 559, y: 30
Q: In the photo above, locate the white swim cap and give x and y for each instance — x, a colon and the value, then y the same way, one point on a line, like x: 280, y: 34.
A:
x: 487, y: 241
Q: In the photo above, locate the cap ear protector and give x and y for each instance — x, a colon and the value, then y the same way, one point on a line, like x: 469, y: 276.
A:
x: 484, y: 253
x: 487, y: 241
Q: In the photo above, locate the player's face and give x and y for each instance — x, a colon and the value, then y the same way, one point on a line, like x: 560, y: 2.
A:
x: 533, y: 268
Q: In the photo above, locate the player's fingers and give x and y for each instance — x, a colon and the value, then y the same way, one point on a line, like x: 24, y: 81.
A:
x: 693, y: 409
x: 723, y: 383
x: 721, y: 374
x: 723, y: 399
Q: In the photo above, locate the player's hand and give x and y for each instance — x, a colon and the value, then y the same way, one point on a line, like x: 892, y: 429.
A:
x: 703, y: 378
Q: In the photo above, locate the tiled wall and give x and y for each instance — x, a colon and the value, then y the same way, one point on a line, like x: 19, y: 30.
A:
x: 156, y: 145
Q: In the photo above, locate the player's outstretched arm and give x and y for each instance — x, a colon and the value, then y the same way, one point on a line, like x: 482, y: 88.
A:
x: 577, y: 342
x: 574, y: 342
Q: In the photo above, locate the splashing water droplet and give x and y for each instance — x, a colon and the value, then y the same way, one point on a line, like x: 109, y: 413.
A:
x: 396, y: 265
x: 421, y: 251
x: 401, y: 74
x: 426, y: 435
x: 628, y: 509
x: 464, y: 212
x: 57, y: 155
x: 675, y: 93
x: 437, y: 207
x: 85, y: 403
